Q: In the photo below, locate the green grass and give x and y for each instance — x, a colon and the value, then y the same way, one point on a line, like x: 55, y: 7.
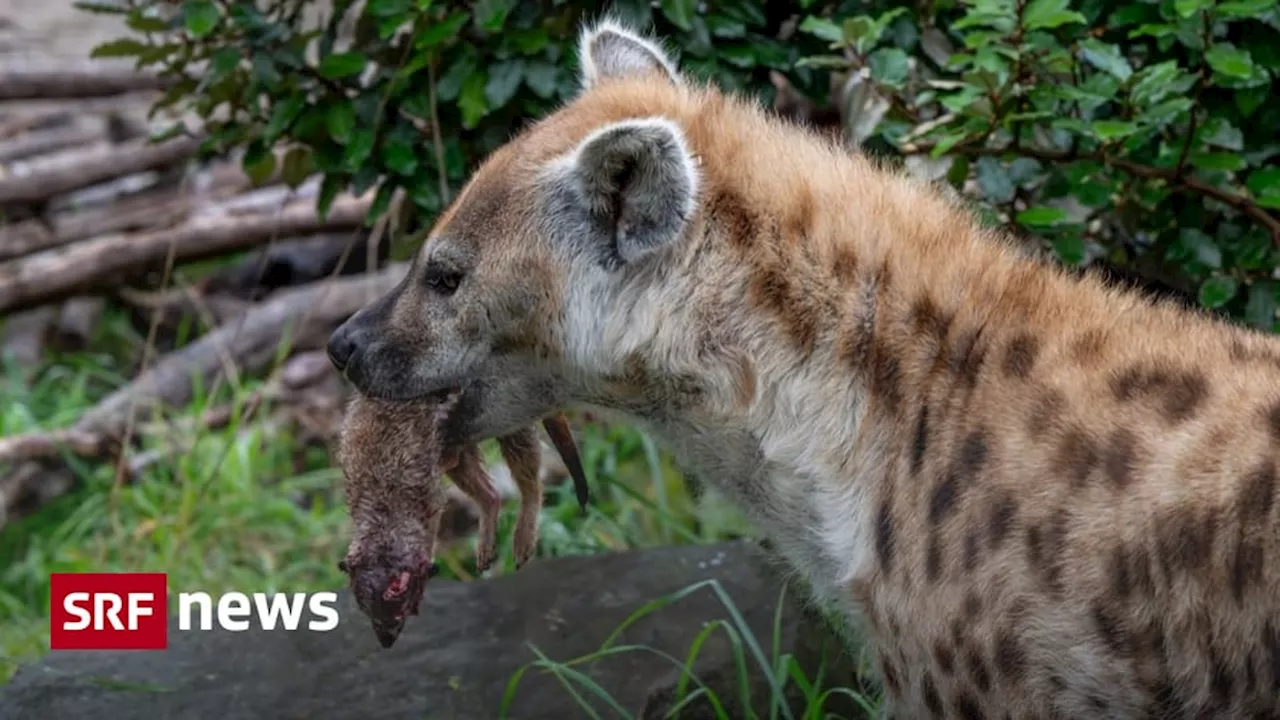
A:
x: 241, y: 508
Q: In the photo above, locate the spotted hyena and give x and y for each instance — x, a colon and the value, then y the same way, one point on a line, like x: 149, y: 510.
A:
x: 1044, y: 497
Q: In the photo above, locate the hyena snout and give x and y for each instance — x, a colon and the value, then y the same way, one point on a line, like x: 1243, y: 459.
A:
x: 368, y: 354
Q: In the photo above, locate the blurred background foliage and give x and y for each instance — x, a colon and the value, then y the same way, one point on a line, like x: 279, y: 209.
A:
x: 1138, y: 137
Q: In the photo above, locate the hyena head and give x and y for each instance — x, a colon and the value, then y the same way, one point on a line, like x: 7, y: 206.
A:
x: 525, y: 272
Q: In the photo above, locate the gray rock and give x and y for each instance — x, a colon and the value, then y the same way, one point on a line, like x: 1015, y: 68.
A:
x: 457, y: 658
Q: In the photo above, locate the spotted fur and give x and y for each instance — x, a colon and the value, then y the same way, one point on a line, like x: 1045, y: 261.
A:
x: 1042, y: 496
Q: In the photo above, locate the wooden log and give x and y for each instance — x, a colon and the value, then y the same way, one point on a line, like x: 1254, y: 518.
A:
x: 45, y: 81
x: 303, y: 316
x: 46, y: 141
x: 97, y: 165
x: 91, y: 266
x: 146, y: 210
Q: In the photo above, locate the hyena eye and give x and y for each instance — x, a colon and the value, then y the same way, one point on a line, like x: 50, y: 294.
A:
x: 442, y: 279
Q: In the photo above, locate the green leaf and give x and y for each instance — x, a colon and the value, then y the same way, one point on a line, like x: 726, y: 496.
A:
x: 258, y: 164
x: 1218, y: 161
x: 889, y: 66
x: 491, y: 15
x: 329, y: 189
x: 1070, y: 249
x: 1229, y: 60
x: 471, y: 100
x: 1218, y: 291
x: 1264, y: 181
x: 680, y: 13
x: 541, y: 77
x: 1041, y: 216
x: 1187, y: 8
x: 140, y: 21
x: 1105, y: 57
x: 340, y: 120
x: 124, y: 47
x: 1205, y: 250
x: 201, y: 17
x: 385, y: 8
x: 435, y: 34
x: 283, y: 115
x: 400, y: 158
x: 1155, y: 82
x: 822, y: 29
x: 1046, y: 14
x: 1219, y: 132
x: 1260, y: 311
x: 100, y: 8
x: 381, y: 201
x: 1244, y: 8
x: 994, y: 181
x: 1112, y: 129
x: 223, y: 61
x: 340, y: 65
x: 297, y: 166
x: 359, y: 147
x: 504, y: 80
x: 1265, y: 186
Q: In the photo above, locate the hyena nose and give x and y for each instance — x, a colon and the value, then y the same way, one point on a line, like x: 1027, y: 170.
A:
x: 342, y: 345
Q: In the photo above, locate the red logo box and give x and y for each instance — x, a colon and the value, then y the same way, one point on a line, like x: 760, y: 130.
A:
x: 108, y: 611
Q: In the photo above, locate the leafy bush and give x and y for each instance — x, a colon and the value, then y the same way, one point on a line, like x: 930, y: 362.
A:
x: 402, y: 93
x: 1138, y: 134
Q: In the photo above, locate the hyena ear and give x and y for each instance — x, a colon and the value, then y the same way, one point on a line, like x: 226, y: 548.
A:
x: 609, y: 50
x: 637, y: 183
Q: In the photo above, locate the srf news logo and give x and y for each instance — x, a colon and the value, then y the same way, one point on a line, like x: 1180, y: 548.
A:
x: 130, y: 611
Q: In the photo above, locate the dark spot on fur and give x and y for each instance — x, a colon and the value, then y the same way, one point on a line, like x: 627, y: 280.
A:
x: 1087, y: 349
x: 971, y: 548
x: 1002, y: 512
x: 890, y: 675
x: 967, y: 357
x: 933, y: 558
x: 1121, y: 582
x: 972, y: 606
x: 1046, y: 411
x: 1223, y: 682
x: 1120, y: 457
x: 944, y: 498
x: 1259, y: 494
x: 973, y: 454
x: 944, y: 656
x: 845, y: 266
x: 1077, y: 456
x: 774, y: 289
x: 931, y: 700
x: 1020, y: 356
x: 1273, y: 422
x: 1271, y: 643
x: 920, y: 443
x: 1185, y: 539
x: 927, y: 319
x: 1246, y: 568
x: 734, y: 216
x: 1179, y: 393
x: 1110, y: 629
x: 886, y: 377
x: 885, y: 536
x: 978, y: 671
x: 1011, y: 659
x: 1046, y: 544
x: 966, y: 707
